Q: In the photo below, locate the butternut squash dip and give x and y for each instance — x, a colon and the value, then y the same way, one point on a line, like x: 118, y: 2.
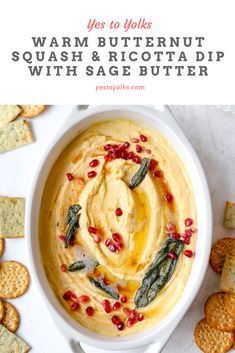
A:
x: 118, y: 227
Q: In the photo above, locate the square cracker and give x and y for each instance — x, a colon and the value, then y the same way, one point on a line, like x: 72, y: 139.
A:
x: 227, y: 281
x: 10, y: 343
x: 8, y: 113
x: 15, y: 135
x: 11, y: 217
x: 229, y: 215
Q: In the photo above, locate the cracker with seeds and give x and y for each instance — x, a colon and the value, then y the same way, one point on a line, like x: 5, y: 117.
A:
x: 210, y: 340
x: 29, y: 111
x: 227, y: 281
x: 10, y: 343
x: 15, y: 135
x: 11, y: 217
x: 2, y: 310
x: 216, y: 314
x: 11, y: 319
x: 229, y: 302
x: 8, y: 113
x: 14, y: 279
x: 229, y: 215
x: 219, y: 251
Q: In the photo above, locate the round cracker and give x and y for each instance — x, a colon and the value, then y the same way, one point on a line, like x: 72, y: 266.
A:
x: 229, y: 302
x: 217, y: 315
x: 14, y: 279
x: 1, y: 310
x: 2, y: 246
x: 11, y: 318
x: 219, y: 251
x: 210, y: 340
x: 29, y: 111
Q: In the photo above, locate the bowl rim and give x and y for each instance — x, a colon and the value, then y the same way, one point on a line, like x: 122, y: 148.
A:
x: 69, y: 330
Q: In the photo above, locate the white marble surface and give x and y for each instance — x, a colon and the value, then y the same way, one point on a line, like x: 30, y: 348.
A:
x: 211, y: 132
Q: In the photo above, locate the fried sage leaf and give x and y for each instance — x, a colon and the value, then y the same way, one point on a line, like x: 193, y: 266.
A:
x: 72, y: 212
x: 107, y: 289
x: 161, y: 256
x: 159, y: 272
x: 73, y: 223
x: 140, y: 174
x: 82, y: 264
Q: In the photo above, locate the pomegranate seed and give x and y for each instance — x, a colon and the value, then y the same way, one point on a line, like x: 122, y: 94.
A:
x: 116, y: 306
x: 107, y: 306
x: 130, y: 322
x: 130, y: 155
x: 119, y: 246
x: 176, y: 236
x: 172, y: 255
x: 74, y: 306
x: 132, y: 314
x: 135, y: 140
x: 138, y: 148
x: 170, y: 226
x: 193, y: 229
x: 168, y: 197
x: 140, y: 316
x: 115, y: 320
x: 148, y: 151
x: 69, y: 176
x: 118, y: 212
x: 136, y: 159
x: 126, y: 144
x: 186, y: 240
x: 121, y: 147
x: 108, y: 242
x: 124, y: 155
x: 94, y: 163
x: 123, y: 298
x: 153, y: 163
x: 92, y: 230
x: 73, y: 297
x: 158, y: 174
x: 80, y: 181
x: 120, y: 326
x: 127, y: 311
x: 188, y: 253
x: 67, y: 295
x: 188, y: 222
x: 63, y: 268
x: 84, y: 298
x: 91, y: 174
x: 108, y: 158
x: 107, y: 147
x: 117, y: 237
x: 96, y: 238
x: 90, y: 311
x: 117, y: 154
x: 188, y: 232
x: 62, y: 237
x: 112, y: 247
x: 143, y: 138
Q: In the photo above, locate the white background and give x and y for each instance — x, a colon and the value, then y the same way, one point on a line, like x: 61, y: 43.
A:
x: 211, y: 132
x: 213, y: 19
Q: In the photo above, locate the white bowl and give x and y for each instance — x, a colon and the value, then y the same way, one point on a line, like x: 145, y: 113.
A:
x: 160, y: 119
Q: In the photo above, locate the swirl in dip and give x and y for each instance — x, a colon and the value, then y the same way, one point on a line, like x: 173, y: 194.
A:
x: 119, y: 228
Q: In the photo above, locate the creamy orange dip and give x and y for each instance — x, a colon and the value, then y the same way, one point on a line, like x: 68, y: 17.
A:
x: 164, y: 198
